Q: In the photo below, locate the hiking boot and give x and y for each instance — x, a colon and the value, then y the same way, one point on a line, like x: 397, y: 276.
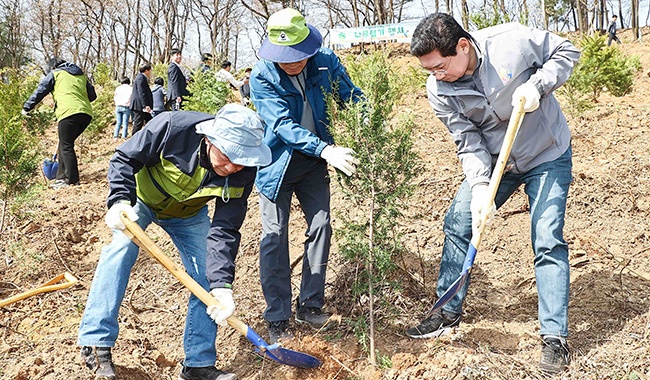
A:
x: 438, y: 324
x: 279, y: 330
x: 313, y: 316
x: 100, y: 361
x: 205, y: 373
x: 555, y: 355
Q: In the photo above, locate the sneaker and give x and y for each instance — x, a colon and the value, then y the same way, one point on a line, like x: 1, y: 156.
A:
x: 57, y: 183
x: 555, y: 355
x: 435, y: 326
x: 279, y: 330
x: 313, y: 316
x: 205, y: 373
x: 100, y: 361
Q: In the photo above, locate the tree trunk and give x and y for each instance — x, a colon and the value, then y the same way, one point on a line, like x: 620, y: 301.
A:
x: 464, y: 14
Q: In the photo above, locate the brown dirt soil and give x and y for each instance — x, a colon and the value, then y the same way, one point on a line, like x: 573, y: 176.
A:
x: 606, y: 228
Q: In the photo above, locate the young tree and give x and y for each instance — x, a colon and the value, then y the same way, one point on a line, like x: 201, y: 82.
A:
x: 369, y: 237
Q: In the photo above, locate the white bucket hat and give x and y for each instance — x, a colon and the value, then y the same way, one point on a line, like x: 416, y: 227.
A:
x: 237, y: 132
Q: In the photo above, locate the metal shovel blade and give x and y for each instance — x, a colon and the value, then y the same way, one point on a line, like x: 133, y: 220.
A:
x: 273, y: 352
x: 459, y: 283
x: 276, y: 352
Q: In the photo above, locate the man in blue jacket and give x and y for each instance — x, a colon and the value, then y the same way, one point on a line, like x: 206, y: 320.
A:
x: 475, y: 82
x: 167, y: 175
x: 287, y: 88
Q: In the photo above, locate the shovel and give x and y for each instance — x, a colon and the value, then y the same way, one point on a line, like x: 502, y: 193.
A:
x: 273, y: 352
x: 47, y: 287
x: 513, y: 127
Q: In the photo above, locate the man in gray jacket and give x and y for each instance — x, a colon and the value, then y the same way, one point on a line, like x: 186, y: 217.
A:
x: 474, y: 84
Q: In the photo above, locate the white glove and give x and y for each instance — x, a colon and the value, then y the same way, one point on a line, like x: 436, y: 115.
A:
x: 530, y: 93
x: 113, y: 215
x: 220, y: 314
x: 341, y: 158
x: 479, y: 199
x: 24, y: 113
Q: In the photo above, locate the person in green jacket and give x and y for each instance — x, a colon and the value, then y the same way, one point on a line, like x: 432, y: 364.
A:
x: 72, y: 94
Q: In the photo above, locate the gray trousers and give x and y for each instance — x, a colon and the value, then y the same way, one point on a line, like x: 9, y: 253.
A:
x: 308, y: 178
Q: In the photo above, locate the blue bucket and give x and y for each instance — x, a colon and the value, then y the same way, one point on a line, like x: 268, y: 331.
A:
x: 50, y: 167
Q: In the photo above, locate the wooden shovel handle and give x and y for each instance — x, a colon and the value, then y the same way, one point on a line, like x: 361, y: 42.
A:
x: 139, y: 237
x: 516, y: 118
x: 47, y: 287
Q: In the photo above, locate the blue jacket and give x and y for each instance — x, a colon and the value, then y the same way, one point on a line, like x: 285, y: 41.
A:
x: 158, y: 94
x: 280, y: 105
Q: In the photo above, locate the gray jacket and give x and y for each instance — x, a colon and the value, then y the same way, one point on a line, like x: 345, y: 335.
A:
x: 476, y: 108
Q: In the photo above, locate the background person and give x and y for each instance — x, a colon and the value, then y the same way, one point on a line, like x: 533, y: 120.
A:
x: 206, y: 62
x: 611, y: 31
x: 141, y: 98
x: 245, y: 89
x: 217, y: 160
x: 122, y: 99
x: 72, y: 94
x: 159, y: 96
x: 176, y: 81
x: 287, y: 89
x: 224, y: 75
x: 474, y: 84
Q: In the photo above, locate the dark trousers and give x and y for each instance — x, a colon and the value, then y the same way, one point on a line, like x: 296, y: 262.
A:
x: 140, y: 118
x: 69, y: 129
x: 612, y: 37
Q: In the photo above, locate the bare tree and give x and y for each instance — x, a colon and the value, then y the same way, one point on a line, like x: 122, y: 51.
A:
x: 12, y: 34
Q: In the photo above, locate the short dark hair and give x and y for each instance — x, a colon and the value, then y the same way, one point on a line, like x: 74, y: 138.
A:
x: 226, y: 64
x: 438, y: 31
x: 125, y: 80
x: 248, y: 69
x: 55, y: 62
x: 159, y: 81
x: 206, y: 57
x: 144, y: 67
x: 175, y: 51
x: 614, y: 16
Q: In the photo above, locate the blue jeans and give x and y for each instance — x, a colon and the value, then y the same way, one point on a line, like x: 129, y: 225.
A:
x: 99, y: 326
x: 547, y: 187
x: 122, y: 116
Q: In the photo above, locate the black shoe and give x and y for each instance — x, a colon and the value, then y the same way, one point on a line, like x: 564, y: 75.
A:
x: 205, y: 373
x: 100, y: 361
x: 279, y: 330
x: 555, y: 356
x: 436, y: 325
x: 313, y: 316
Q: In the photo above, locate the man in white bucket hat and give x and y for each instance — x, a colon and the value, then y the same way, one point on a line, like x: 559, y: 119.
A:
x: 166, y: 175
x: 288, y: 89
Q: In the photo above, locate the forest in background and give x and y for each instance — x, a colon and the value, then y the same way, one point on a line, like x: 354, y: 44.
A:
x: 127, y: 33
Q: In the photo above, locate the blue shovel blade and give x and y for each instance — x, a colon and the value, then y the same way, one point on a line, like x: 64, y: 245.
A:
x: 280, y: 354
x: 289, y: 357
x: 459, y: 283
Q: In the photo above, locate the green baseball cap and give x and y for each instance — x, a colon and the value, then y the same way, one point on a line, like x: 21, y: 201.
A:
x: 290, y: 38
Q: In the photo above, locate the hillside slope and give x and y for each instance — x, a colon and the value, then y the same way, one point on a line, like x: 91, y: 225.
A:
x: 606, y: 227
